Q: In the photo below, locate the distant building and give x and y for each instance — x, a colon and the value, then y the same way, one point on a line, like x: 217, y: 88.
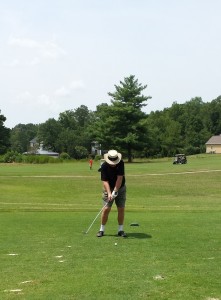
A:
x: 213, y: 145
x: 95, y: 148
x: 38, y: 149
x: 34, y: 143
x: 41, y: 151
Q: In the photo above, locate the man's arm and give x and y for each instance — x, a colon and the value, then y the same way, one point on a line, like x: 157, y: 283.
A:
x: 118, y: 183
x: 107, y: 189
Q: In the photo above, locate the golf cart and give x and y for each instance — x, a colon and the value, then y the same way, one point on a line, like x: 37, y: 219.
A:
x: 180, y: 159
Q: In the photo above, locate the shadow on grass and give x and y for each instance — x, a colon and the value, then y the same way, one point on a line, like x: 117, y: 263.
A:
x: 134, y: 235
x: 138, y: 235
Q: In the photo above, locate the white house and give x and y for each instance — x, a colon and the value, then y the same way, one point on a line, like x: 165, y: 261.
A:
x: 213, y: 145
x: 37, y: 149
x: 96, y: 148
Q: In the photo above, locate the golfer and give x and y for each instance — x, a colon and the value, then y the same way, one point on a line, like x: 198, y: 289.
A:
x: 114, y: 189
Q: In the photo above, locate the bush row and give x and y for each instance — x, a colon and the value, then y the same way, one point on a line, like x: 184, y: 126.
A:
x: 15, y: 157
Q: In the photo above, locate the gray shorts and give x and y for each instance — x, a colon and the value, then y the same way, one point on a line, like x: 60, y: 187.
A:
x: 119, y: 200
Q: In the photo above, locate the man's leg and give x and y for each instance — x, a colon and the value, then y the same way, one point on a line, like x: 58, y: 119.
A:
x: 105, y: 214
x: 120, y: 215
x: 104, y: 219
x: 120, y: 202
x: 121, y: 222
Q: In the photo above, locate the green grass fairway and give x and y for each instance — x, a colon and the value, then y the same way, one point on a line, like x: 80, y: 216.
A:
x: 174, y: 253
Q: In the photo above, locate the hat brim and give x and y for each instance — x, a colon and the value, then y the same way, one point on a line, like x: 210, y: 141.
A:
x: 115, y: 162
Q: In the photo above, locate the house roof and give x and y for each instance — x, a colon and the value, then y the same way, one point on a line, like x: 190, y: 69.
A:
x: 42, y: 152
x: 45, y: 152
x: 34, y: 140
x: 214, y: 140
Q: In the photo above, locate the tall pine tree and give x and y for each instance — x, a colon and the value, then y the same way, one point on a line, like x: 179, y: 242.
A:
x: 122, y: 125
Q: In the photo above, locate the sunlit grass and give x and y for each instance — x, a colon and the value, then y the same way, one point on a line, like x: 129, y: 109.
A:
x: 174, y: 253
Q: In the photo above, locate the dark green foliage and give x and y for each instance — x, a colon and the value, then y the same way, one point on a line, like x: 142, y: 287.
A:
x: 15, y: 157
x: 48, y: 133
x: 64, y: 156
x: 21, y: 135
x: 80, y: 152
x: 184, y: 127
x: 12, y: 156
x: 74, y: 133
x: 4, y: 135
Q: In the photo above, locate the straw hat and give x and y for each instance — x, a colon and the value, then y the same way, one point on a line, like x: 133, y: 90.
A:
x: 112, y: 157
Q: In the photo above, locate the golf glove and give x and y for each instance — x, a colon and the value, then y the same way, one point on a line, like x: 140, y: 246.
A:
x: 114, y: 195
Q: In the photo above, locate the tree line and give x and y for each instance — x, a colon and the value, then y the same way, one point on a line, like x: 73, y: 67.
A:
x: 122, y: 124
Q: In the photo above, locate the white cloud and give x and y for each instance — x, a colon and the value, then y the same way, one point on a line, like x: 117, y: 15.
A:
x: 37, y: 49
x: 47, y: 103
x: 51, y: 50
x: 23, y: 42
x: 66, y: 91
x: 43, y: 100
x: 77, y: 84
x: 35, y: 61
x: 14, y: 63
x: 62, y: 92
x: 24, y: 98
x: 38, y: 102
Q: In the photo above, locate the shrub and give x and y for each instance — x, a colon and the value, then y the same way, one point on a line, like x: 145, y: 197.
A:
x: 97, y: 157
x: 80, y: 152
x: 10, y: 156
x: 64, y: 156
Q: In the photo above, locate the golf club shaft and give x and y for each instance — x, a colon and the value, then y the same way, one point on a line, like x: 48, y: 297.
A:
x: 96, y: 217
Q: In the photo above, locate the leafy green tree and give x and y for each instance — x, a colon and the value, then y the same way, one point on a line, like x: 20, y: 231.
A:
x: 21, y: 135
x: 156, y: 126
x: 172, y: 138
x: 4, y: 135
x: 75, y: 129
x: 48, y: 133
x: 75, y: 119
x: 184, y: 127
x: 214, y: 116
x: 82, y: 116
x: 67, y: 119
x: 123, y: 124
x: 66, y: 141
x: 80, y: 152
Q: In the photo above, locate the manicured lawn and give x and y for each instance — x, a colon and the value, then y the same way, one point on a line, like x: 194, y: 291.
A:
x: 174, y: 254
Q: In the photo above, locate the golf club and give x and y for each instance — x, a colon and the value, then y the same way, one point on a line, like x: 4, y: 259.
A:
x: 95, y: 218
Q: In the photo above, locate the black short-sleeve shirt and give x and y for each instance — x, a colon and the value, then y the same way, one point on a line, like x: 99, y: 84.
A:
x: 110, y: 174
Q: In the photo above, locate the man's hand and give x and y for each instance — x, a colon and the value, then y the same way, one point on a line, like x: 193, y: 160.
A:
x: 114, y: 195
x: 107, y: 197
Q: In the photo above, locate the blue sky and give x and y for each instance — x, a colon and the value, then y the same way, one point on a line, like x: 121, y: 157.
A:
x: 59, y: 54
